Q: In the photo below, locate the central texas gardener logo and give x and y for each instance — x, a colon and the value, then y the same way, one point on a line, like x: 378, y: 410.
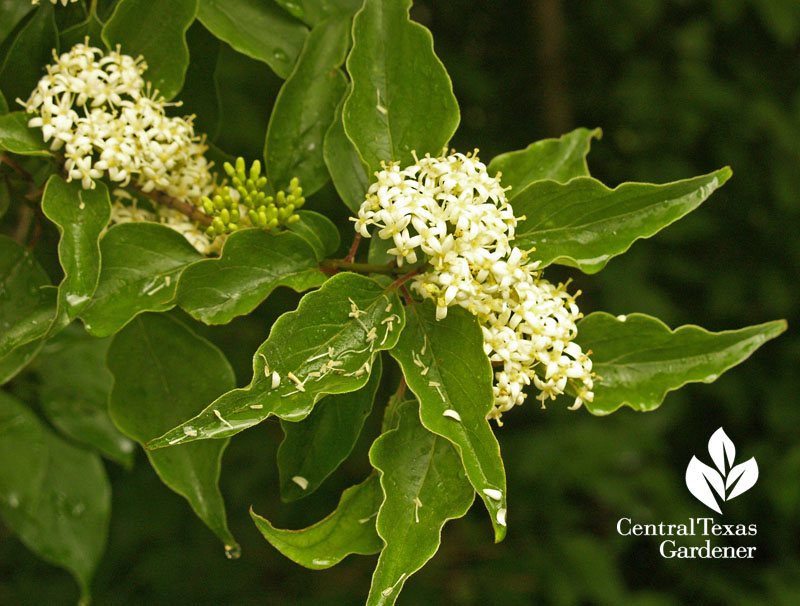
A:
x: 726, y: 481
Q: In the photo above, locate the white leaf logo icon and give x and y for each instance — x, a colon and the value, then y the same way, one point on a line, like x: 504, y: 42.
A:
x: 727, y: 481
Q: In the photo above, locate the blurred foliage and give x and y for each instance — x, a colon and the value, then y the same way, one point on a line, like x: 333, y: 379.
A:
x: 679, y: 88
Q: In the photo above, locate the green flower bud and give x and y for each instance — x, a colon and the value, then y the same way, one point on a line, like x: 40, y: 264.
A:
x: 218, y: 225
x: 225, y: 216
x: 292, y: 219
x: 255, y: 170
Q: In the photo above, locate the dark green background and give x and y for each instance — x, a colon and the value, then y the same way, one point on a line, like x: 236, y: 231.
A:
x: 679, y: 88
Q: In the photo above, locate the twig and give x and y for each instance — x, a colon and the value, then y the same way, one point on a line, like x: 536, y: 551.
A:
x: 185, y: 208
x: 4, y: 159
x: 353, y: 248
x: 405, y: 278
x: 365, y: 268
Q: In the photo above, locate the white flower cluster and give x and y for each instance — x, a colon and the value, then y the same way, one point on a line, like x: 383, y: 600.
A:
x: 130, y: 213
x: 96, y: 107
x: 454, y: 213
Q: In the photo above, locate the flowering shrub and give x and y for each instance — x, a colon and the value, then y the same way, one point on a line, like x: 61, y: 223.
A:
x: 449, y: 297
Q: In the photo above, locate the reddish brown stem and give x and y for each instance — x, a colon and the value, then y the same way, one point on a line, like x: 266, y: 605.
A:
x: 403, y: 279
x: 353, y: 248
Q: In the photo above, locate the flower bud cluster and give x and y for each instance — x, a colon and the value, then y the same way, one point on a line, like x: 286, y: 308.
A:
x: 63, y: 2
x: 449, y: 210
x: 97, y: 108
x: 245, y: 200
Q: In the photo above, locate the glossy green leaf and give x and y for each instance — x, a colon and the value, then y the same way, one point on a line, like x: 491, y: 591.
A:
x: 26, y: 308
x: 424, y: 483
x: 312, y: 12
x: 30, y: 51
x: 11, y: 13
x: 556, y: 159
x: 347, y: 170
x: 140, y: 269
x: 91, y: 27
x: 305, y: 107
x: 163, y: 373
x: 402, y: 98
x: 583, y: 223
x: 17, y: 359
x: 35, y: 323
x: 53, y: 495
x: 638, y: 359
x: 18, y: 138
x: 253, y: 264
x: 313, y: 448
x: 74, y: 389
x: 317, y: 230
x: 256, y: 28
x: 334, y: 332
x: 445, y: 366
x: 157, y: 31
x: 199, y: 94
x: 80, y: 215
x: 350, y: 528
x: 3, y: 104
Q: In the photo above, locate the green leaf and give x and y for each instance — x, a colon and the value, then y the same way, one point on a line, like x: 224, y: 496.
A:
x: 5, y: 198
x: 80, y: 215
x: 583, y: 223
x: 556, y: 159
x: 253, y: 264
x: 140, y: 269
x: 91, y: 27
x: 319, y: 231
x: 34, y: 323
x: 31, y: 50
x: 402, y: 98
x: 11, y: 13
x: 199, y: 94
x: 347, y: 170
x: 17, y: 359
x: 305, y: 107
x: 18, y: 138
x: 74, y: 389
x: 256, y: 28
x: 26, y: 308
x: 3, y: 104
x: 163, y: 373
x: 324, y: 328
x: 638, y: 359
x: 425, y: 486
x: 54, y: 496
x: 156, y: 30
x: 350, y: 528
x: 312, y: 12
x: 458, y: 378
x: 313, y: 448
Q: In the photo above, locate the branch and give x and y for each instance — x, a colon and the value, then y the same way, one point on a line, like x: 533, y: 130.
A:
x: 367, y: 268
x: 185, y: 208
